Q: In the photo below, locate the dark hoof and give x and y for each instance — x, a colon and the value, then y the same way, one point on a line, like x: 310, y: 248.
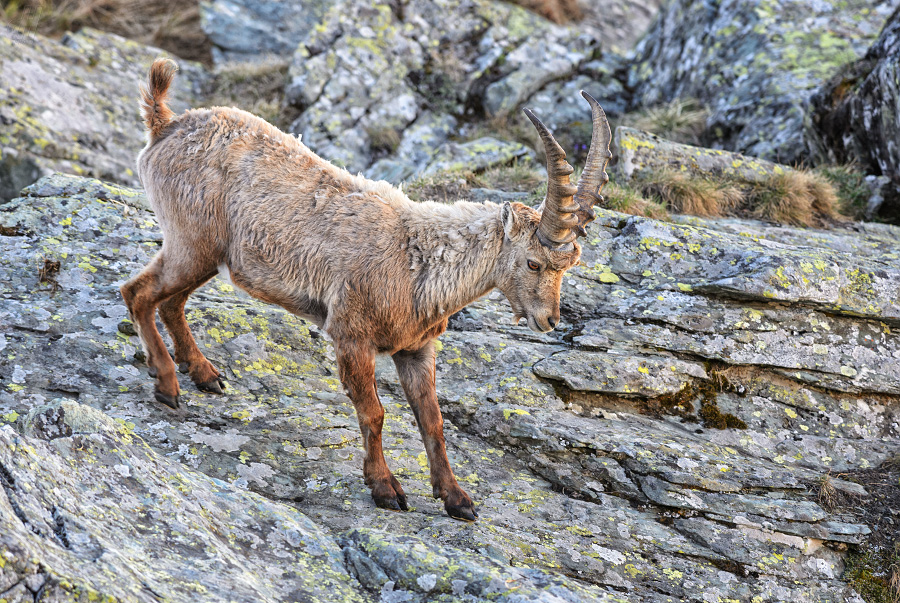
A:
x: 394, y: 503
x: 183, y: 367
x: 170, y: 401
x: 213, y: 386
x: 466, y: 513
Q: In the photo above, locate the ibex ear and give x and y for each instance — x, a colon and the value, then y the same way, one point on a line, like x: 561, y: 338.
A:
x: 512, y: 222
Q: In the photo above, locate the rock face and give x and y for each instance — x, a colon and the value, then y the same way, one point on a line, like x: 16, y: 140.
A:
x: 754, y: 62
x: 667, y: 443
x: 375, y: 79
x: 73, y: 105
x: 855, y: 117
x: 248, y: 30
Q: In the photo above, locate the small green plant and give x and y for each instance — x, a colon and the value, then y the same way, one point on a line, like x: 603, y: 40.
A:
x: 852, y: 191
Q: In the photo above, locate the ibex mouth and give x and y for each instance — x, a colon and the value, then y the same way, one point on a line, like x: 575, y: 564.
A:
x: 536, y: 327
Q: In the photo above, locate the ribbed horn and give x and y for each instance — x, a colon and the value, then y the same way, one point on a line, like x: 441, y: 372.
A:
x: 594, y: 175
x: 558, y: 219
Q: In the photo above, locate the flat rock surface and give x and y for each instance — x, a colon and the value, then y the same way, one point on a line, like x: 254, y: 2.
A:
x: 598, y: 471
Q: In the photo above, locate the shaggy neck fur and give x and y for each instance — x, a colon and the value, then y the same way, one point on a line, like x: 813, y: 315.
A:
x: 453, y: 252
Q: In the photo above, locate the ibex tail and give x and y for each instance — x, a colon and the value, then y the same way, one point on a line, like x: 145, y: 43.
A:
x: 154, y: 94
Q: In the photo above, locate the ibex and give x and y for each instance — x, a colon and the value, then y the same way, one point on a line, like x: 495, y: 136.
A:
x: 379, y: 273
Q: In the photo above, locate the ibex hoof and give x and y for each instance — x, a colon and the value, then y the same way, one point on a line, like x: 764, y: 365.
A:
x: 389, y: 495
x: 170, y: 401
x: 213, y: 386
x: 395, y: 503
x: 463, y: 513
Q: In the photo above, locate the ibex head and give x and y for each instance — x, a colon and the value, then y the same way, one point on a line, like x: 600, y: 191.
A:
x: 540, y: 245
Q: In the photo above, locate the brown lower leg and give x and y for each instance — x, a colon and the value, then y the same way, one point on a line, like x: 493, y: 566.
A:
x: 142, y: 294
x: 357, y: 372
x: 417, y: 375
x: 202, y: 372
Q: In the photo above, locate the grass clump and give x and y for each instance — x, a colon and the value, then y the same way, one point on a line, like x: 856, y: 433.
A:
x: 681, y: 120
x: 685, y: 194
x: 794, y: 197
x: 173, y: 25
x: 257, y: 87
x: 797, y: 197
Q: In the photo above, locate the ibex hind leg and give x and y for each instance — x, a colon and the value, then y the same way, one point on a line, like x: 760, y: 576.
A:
x: 160, y: 280
x: 187, y: 355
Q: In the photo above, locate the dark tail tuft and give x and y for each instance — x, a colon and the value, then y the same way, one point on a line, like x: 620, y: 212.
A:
x: 154, y: 94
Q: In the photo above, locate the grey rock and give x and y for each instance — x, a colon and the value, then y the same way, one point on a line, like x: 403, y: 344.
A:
x: 476, y: 155
x: 245, y: 30
x: 855, y: 116
x: 72, y: 105
x: 754, y: 63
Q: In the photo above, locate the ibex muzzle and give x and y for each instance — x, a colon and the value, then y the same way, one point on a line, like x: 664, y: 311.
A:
x: 377, y: 272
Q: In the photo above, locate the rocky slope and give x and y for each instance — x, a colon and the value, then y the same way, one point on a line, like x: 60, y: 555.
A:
x: 72, y: 105
x: 754, y: 62
x: 855, y: 116
x: 667, y: 444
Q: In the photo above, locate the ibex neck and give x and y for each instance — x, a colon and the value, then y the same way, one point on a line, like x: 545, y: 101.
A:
x: 453, y: 251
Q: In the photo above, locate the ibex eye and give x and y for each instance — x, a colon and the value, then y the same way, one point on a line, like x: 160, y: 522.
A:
x: 534, y: 265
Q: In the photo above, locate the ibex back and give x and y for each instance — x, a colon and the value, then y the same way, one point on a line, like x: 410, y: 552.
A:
x: 377, y: 272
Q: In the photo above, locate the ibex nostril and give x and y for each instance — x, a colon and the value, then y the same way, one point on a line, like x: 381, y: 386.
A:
x: 553, y: 322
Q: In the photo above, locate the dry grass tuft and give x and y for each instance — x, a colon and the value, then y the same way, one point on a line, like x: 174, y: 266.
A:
x: 798, y: 197
x: 173, y: 25
x: 684, y: 194
x: 682, y: 120
x: 828, y: 494
x: 629, y: 200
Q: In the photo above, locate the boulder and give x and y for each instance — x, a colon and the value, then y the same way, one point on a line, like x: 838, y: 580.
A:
x: 755, y: 63
x: 855, y: 116
x: 72, y: 105
x: 579, y: 446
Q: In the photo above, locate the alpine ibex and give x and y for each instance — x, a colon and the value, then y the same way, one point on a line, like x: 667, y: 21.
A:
x: 378, y: 272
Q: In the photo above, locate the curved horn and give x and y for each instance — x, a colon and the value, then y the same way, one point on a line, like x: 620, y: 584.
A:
x: 558, y: 219
x: 594, y: 175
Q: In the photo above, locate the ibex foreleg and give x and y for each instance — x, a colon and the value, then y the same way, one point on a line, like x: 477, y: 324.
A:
x: 357, y: 372
x: 417, y: 375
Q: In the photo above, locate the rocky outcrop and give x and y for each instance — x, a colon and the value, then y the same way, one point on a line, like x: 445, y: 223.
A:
x: 754, y: 62
x: 368, y: 87
x: 72, y: 105
x: 667, y: 442
x: 855, y: 116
